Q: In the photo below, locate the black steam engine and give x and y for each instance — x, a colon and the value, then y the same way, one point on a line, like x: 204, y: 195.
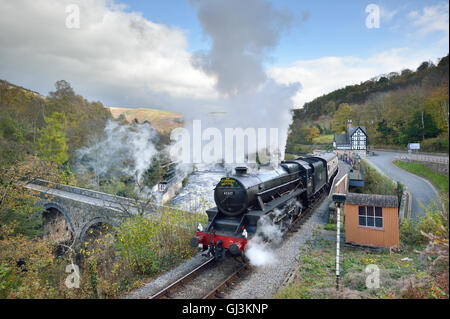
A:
x: 245, y: 199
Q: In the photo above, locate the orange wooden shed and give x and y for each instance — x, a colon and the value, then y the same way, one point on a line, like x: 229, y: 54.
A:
x: 372, y: 220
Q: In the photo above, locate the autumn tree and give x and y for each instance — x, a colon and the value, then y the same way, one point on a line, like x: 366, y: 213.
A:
x: 52, y: 141
x: 18, y: 205
x: 437, y: 106
x: 312, y: 132
x: 344, y: 113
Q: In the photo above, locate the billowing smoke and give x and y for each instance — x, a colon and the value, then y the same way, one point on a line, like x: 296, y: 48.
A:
x: 123, y: 150
x: 242, y: 35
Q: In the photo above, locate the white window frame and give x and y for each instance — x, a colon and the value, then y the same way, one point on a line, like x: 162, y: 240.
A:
x: 375, y: 217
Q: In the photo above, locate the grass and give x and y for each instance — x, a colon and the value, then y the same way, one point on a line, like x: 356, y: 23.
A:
x: 162, y: 121
x: 439, y: 180
x: 376, y: 183
x: 315, y: 276
x: 324, y: 139
x: 409, y: 272
x: 332, y: 227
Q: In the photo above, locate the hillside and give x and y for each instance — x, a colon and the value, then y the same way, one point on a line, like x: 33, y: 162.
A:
x: 6, y: 85
x: 162, y: 121
x: 396, y: 109
x: 25, y: 115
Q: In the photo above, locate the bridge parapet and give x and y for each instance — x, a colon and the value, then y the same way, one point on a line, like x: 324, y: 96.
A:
x: 84, y: 192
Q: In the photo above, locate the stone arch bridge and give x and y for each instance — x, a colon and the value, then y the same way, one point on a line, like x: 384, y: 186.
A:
x: 70, y: 212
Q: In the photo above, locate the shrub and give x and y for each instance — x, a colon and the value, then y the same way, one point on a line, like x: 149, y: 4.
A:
x: 410, y: 234
x: 375, y: 183
x: 149, y: 244
x: 436, y: 144
x: 26, y: 266
x: 414, y: 232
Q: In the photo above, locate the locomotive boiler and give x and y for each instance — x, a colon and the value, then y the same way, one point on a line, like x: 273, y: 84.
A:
x: 245, y: 199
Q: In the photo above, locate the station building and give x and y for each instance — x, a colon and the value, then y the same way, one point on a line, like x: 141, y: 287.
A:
x: 351, y: 143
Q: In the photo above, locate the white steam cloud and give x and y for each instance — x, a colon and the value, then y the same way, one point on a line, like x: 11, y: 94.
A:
x: 242, y: 32
x: 259, y: 249
x: 124, y: 150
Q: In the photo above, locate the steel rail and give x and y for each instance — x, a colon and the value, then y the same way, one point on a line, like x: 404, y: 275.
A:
x: 223, y: 284
x: 165, y: 291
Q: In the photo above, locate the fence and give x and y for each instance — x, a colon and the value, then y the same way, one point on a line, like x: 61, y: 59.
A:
x: 437, y: 164
x: 425, y: 158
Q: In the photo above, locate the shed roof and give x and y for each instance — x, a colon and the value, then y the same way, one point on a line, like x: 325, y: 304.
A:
x: 372, y: 200
x: 341, y: 138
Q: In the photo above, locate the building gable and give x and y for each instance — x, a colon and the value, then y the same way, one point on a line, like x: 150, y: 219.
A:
x: 354, y: 139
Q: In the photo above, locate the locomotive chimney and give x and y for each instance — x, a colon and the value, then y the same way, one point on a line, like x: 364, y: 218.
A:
x: 241, y: 170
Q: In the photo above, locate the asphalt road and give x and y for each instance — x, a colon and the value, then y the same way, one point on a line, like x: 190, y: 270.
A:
x: 421, y: 190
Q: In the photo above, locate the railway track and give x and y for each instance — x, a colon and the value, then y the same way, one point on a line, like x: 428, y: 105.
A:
x: 173, y: 290
x: 165, y: 292
x: 224, y: 284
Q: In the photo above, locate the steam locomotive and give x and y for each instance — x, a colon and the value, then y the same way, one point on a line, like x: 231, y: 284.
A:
x: 245, y: 199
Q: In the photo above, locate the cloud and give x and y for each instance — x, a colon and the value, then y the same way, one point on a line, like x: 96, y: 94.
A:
x: 126, y: 60
x: 387, y: 15
x: 114, y: 54
x: 326, y: 74
x: 432, y: 19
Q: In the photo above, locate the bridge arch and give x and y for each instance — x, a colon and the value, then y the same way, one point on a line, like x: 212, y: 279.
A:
x: 58, y: 226
x: 92, y: 223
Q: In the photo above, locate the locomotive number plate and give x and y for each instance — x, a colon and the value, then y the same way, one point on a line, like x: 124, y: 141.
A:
x: 231, y: 182
x: 228, y: 193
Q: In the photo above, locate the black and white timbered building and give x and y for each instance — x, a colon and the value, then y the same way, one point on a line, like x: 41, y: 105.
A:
x: 355, y: 139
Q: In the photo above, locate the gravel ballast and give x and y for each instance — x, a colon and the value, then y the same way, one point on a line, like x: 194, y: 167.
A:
x: 264, y: 281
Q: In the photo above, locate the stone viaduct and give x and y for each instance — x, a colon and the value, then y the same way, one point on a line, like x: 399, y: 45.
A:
x: 70, y: 212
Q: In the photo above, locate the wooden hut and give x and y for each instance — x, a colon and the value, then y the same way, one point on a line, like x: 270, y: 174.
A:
x: 372, y: 220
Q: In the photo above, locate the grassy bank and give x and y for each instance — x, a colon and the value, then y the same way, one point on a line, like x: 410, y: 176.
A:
x: 439, y: 180
x: 324, y: 139
x: 419, y: 269
x: 376, y: 183
x: 411, y: 272
x: 316, y: 272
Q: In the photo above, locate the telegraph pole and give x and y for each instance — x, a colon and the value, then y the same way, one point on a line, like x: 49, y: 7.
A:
x: 339, y: 200
x: 338, y: 237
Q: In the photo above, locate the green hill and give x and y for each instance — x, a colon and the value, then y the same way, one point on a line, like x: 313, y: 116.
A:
x: 396, y: 109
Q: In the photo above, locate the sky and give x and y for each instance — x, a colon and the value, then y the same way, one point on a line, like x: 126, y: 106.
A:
x: 173, y: 55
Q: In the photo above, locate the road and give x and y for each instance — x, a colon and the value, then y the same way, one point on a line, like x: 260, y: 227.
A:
x: 421, y: 190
